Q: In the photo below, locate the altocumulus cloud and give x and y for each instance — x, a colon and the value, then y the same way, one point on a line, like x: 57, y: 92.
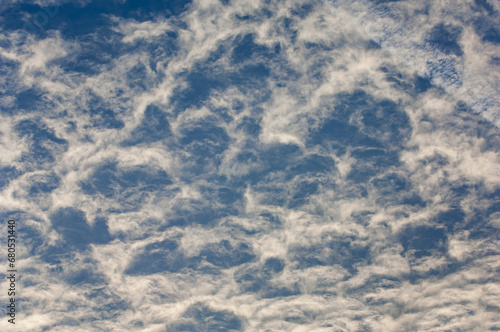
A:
x: 252, y: 165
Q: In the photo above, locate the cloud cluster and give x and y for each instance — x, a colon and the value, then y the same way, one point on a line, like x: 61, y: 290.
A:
x: 257, y: 166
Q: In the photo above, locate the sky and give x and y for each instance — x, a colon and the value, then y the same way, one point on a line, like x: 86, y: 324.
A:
x: 225, y: 165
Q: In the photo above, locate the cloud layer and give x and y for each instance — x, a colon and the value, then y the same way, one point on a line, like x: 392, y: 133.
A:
x: 254, y: 166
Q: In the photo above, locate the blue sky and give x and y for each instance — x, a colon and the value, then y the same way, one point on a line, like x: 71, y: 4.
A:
x: 252, y: 165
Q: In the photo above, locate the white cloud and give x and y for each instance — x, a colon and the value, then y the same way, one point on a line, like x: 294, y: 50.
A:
x: 385, y: 287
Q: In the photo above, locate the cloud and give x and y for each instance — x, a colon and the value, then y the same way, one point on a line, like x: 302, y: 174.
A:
x: 308, y: 165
